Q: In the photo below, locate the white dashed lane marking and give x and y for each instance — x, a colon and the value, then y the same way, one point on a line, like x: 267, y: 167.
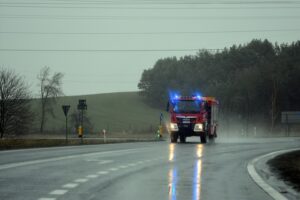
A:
x: 81, y: 180
x: 70, y: 185
x: 58, y: 192
x: 92, y: 176
x: 102, y: 172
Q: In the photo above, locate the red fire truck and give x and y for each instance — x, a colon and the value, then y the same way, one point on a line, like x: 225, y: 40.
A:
x: 192, y: 116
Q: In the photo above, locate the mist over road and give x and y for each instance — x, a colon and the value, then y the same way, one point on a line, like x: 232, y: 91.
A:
x: 154, y: 170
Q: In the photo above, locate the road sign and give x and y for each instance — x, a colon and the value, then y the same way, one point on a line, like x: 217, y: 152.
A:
x: 82, y: 104
x: 291, y: 117
x: 66, y: 109
x: 160, y: 118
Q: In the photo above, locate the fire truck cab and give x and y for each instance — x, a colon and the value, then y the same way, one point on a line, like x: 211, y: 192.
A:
x: 192, y: 116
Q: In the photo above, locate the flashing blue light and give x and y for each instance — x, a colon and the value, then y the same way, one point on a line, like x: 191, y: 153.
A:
x: 197, y: 95
x: 173, y: 95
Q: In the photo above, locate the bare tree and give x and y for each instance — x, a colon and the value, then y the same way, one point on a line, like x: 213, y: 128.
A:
x: 50, y: 89
x: 15, y: 114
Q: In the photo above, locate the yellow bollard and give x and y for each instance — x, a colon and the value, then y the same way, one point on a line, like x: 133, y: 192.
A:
x: 159, y: 131
x: 80, y: 131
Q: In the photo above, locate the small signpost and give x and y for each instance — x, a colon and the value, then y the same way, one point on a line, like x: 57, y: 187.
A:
x: 66, y: 109
x: 291, y: 117
x: 160, y: 127
x: 104, y: 135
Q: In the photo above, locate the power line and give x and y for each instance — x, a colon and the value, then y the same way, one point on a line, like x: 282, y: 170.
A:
x: 106, y: 50
x: 61, y: 17
x: 161, y: 2
x: 149, y: 33
x: 153, y: 4
x: 154, y: 8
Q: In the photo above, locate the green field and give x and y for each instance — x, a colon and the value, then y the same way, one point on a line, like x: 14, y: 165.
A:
x: 122, y: 113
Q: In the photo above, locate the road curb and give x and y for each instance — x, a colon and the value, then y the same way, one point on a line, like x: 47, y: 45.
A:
x: 259, y: 180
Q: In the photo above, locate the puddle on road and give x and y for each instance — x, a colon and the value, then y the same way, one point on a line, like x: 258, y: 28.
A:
x: 175, y: 173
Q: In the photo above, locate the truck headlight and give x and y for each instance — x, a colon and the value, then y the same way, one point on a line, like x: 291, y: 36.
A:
x: 173, y: 127
x: 198, y: 127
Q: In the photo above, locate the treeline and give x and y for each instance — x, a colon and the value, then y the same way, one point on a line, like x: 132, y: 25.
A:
x: 255, y: 81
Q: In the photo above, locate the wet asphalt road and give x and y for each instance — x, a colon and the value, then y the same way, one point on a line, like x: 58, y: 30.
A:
x: 146, y: 171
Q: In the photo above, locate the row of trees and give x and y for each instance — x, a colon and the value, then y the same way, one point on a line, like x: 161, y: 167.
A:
x: 15, y: 112
x: 255, y: 81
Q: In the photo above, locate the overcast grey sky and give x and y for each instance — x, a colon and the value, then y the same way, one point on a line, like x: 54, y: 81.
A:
x: 102, y: 45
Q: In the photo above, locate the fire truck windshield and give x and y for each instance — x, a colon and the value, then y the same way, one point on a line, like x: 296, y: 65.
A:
x: 187, y: 107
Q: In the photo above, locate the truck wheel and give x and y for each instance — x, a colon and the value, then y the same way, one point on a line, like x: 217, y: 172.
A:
x: 174, y: 137
x: 182, y: 139
x: 203, y: 138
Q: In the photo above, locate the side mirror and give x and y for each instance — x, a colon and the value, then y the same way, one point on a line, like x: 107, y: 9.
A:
x: 168, y: 106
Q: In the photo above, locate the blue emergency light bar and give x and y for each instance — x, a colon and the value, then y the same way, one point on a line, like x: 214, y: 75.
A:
x: 176, y: 96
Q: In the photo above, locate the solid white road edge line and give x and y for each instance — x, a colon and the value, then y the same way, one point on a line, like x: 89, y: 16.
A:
x: 258, y: 179
x: 20, y: 164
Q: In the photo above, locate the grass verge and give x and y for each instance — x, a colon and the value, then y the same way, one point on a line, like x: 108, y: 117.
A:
x: 288, y: 167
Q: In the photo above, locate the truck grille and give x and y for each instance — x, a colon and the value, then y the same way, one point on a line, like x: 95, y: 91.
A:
x: 186, y: 120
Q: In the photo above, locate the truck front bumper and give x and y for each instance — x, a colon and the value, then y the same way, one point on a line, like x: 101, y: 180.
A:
x: 187, y: 129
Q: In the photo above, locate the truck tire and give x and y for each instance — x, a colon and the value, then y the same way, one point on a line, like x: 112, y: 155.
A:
x: 203, y: 138
x: 182, y: 138
x: 174, y: 137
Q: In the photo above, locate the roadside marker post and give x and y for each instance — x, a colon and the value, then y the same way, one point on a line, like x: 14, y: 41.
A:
x: 290, y: 118
x: 104, y: 135
x: 66, y: 109
x: 160, y: 118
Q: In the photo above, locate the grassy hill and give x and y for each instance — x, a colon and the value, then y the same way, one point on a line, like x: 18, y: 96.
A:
x: 116, y: 112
